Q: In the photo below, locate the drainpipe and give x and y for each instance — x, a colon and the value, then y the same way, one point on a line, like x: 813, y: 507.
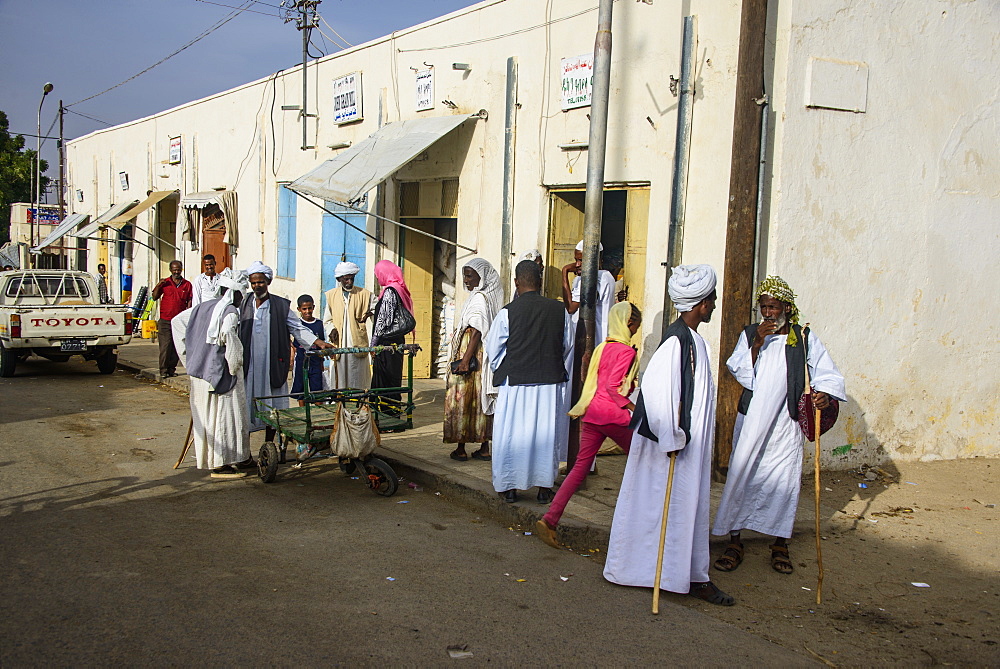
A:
x: 682, y: 157
x: 506, y: 224
x: 586, y: 330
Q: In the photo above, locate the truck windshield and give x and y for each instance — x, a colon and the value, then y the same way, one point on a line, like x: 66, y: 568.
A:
x: 55, y: 286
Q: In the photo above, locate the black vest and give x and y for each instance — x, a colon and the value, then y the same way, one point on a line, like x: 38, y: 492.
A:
x: 280, y: 337
x: 795, y: 361
x: 535, y: 345
x: 640, y: 422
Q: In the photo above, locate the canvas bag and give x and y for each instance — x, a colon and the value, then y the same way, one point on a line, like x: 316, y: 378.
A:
x: 355, y: 434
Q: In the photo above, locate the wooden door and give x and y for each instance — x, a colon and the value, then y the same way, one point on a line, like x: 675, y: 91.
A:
x: 565, y: 231
x: 418, y: 270
x: 636, y: 225
x: 213, y: 225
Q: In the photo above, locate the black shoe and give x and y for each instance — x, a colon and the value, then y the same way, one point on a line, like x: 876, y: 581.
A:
x: 246, y: 464
x: 545, y: 495
x: 510, y: 496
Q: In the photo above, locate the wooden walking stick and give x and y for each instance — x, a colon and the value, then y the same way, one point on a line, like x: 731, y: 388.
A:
x: 187, y: 443
x: 819, y: 548
x: 663, y: 535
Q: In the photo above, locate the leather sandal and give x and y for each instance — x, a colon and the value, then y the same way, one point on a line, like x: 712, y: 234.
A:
x: 779, y: 559
x: 730, y: 558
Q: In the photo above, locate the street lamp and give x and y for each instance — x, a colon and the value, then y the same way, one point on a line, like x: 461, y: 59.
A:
x: 46, y: 89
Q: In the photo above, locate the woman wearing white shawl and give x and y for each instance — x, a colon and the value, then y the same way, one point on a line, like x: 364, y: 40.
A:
x: 470, y: 395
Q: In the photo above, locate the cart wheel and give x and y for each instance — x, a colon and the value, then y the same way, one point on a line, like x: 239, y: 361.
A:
x: 381, y: 478
x: 347, y: 466
x: 267, y: 462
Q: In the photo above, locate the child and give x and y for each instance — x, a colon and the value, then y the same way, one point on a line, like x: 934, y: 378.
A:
x: 604, y: 406
x: 306, y: 306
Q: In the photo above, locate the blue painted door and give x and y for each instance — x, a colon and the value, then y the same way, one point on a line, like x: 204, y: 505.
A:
x: 287, y: 211
x: 341, y: 242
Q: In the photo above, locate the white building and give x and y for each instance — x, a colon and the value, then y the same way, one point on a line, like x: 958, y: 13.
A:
x: 879, y: 179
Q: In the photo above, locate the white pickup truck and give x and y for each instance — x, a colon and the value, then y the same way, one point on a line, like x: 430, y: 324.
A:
x: 56, y: 314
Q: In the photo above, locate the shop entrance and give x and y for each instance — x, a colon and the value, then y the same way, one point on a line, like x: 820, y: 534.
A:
x: 623, y: 234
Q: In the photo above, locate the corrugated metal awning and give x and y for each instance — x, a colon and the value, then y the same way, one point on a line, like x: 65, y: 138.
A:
x: 67, y: 224
x: 91, y: 228
x: 154, y: 197
x: 359, y: 169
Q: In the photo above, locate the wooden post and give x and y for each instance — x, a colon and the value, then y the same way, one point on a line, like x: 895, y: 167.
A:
x: 741, y: 227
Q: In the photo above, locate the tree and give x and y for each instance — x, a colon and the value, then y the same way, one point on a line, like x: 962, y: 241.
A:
x: 16, y: 168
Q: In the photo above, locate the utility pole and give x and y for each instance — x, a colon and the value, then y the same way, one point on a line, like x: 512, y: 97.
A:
x: 586, y: 330
x: 306, y: 21
x: 741, y: 227
x: 62, y: 165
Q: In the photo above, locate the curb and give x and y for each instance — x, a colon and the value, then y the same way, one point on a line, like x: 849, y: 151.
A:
x: 179, y: 382
x: 479, y: 496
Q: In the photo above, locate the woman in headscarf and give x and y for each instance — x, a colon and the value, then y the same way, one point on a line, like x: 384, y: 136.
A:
x: 387, y: 366
x: 470, y: 395
x: 604, y: 407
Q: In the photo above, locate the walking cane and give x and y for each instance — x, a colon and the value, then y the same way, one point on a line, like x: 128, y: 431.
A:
x: 187, y: 443
x: 663, y: 535
x: 819, y: 548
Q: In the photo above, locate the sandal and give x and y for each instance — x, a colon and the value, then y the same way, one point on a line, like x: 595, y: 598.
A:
x: 779, y: 559
x: 482, y: 456
x: 711, y: 594
x: 730, y: 558
x: 461, y: 457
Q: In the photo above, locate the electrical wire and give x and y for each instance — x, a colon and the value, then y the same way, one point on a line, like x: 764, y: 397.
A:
x: 327, y: 37
x: 333, y: 30
x: 203, y: 35
x: 254, y: 11
x: 73, y: 111
x: 256, y: 127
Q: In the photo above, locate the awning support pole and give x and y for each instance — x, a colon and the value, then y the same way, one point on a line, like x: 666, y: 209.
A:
x: 341, y: 218
x: 507, y: 216
x: 406, y: 227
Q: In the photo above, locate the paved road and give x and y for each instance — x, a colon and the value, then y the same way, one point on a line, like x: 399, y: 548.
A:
x: 109, y: 556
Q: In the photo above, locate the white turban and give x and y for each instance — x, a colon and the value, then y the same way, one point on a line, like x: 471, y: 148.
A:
x: 533, y: 254
x: 229, y: 281
x: 345, y: 269
x: 600, y: 247
x: 689, y: 285
x: 257, y: 267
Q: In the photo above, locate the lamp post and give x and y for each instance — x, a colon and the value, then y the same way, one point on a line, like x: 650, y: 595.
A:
x: 46, y: 89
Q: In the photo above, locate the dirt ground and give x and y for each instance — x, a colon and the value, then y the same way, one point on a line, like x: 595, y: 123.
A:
x: 931, y: 523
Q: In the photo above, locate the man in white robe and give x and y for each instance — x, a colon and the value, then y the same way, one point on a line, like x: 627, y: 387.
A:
x: 206, y: 285
x: 675, y: 413
x: 207, y: 340
x: 528, y: 347
x: 348, y: 307
x: 765, y: 467
x: 267, y: 325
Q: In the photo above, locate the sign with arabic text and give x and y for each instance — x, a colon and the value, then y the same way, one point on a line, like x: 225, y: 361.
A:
x: 577, y: 81
x: 347, y: 98
x: 425, y: 89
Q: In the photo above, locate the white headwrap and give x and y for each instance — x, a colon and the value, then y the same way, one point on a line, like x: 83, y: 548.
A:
x: 479, y: 311
x: 229, y: 281
x: 532, y: 254
x: 689, y: 285
x: 345, y: 269
x: 257, y: 267
x: 600, y: 247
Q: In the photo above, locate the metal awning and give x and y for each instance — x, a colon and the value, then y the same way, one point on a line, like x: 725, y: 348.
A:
x: 67, y: 224
x: 88, y: 231
x: 154, y: 197
x: 363, y: 167
x: 227, y: 201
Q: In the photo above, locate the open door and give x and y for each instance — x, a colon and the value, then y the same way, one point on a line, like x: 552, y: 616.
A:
x: 636, y: 226
x: 213, y: 226
x: 418, y: 272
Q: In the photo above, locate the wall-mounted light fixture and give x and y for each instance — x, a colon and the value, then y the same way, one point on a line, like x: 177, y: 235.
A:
x: 290, y: 108
x: 339, y: 145
x: 574, y: 146
x: 461, y: 66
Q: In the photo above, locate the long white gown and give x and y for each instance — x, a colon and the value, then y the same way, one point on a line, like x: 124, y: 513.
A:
x: 765, y: 467
x: 524, y: 422
x: 258, y: 382
x: 635, y: 529
x: 219, y: 423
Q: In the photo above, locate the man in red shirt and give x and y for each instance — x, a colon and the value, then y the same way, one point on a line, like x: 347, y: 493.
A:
x: 176, y: 292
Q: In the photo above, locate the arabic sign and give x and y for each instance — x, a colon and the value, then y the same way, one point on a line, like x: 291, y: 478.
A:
x: 425, y: 90
x: 347, y: 98
x: 44, y: 216
x: 577, y: 80
x: 175, y: 150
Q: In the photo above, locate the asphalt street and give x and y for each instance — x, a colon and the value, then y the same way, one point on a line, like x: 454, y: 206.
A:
x: 110, y: 556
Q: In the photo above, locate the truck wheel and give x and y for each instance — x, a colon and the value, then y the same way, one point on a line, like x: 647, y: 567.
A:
x: 107, y: 362
x: 8, y: 360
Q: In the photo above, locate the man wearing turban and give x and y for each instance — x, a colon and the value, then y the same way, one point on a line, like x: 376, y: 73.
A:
x: 674, y: 413
x: 207, y: 338
x: 348, y: 306
x: 765, y: 467
x: 267, y: 325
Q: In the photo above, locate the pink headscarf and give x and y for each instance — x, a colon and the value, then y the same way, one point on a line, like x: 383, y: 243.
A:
x: 389, y: 275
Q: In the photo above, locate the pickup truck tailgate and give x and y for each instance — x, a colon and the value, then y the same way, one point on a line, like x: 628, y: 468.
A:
x: 77, y: 322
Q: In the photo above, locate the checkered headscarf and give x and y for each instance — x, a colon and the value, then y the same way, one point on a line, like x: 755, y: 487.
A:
x: 776, y: 287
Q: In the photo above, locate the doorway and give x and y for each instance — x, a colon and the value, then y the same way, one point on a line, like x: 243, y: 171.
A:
x: 341, y: 243
x: 213, y: 236
x: 166, y: 236
x: 429, y: 270
x: 623, y: 233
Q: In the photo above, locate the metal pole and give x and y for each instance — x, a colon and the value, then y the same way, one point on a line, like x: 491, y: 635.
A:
x: 682, y: 155
x: 593, y: 203
x: 303, y: 8
x: 62, y: 166
x: 46, y: 89
x: 506, y: 225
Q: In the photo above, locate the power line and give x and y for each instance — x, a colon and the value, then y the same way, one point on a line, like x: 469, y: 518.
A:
x: 72, y: 111
x: 219, y: 4
x: 334, y: 30
x: 29, y: 134
x: 197, y: 39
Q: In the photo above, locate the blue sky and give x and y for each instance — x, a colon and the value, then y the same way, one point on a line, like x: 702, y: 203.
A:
x: 86, y: 46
